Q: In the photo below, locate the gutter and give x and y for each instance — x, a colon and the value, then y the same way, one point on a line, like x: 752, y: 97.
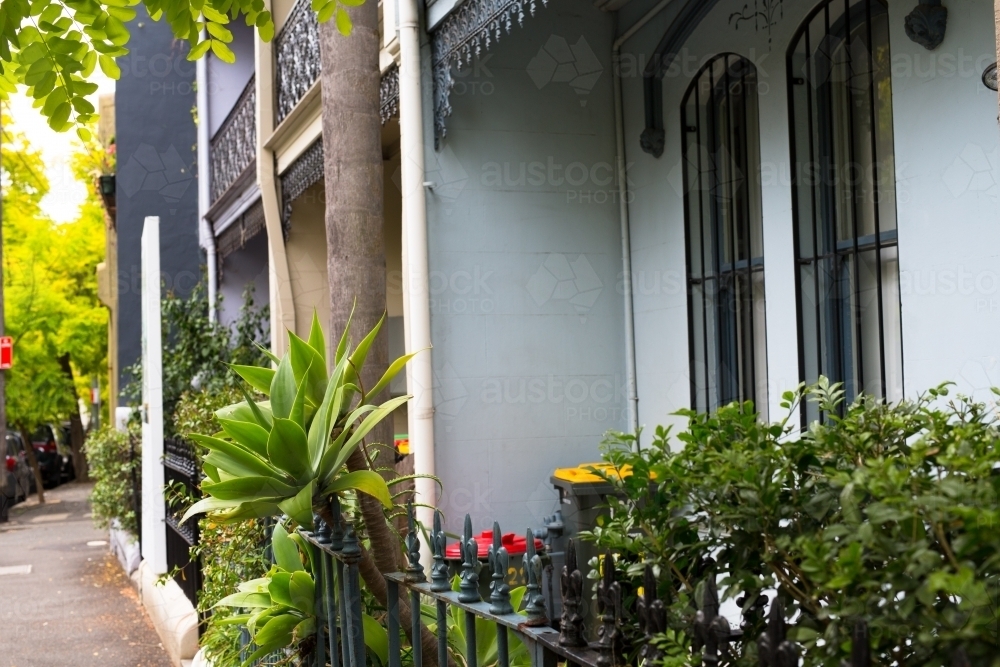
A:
x: 632, y: 390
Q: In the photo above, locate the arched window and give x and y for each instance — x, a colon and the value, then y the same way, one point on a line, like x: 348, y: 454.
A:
x: 724, y: 235
x: 844, y: 203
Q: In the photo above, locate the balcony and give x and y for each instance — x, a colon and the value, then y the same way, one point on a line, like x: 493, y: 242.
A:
x: 297, y: 57
x: 234, y: 146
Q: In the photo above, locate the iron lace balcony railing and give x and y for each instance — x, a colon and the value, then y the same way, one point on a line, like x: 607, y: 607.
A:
x: 234, y: 145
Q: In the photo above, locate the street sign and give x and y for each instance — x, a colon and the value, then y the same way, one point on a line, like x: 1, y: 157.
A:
x: 6, y: 352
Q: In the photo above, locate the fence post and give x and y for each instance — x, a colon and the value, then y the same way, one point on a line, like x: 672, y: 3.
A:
x: 500, y: 591
x: 609, y: 602
x: 711, y: 631
x: 652, y: 618
x: 534, y: 604
x: 861, y: 650
x: 414, y: 574
x: 469, y: 588
x: 440, y: 582
x: 320, y: 576
x: 773, y: 650
x: 354, y: 626
x: 571, y: 625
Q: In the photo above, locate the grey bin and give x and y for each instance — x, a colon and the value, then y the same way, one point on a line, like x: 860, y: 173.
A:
x: 580, y: 503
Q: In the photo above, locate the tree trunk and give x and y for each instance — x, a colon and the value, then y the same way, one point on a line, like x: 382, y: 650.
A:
x: 75, y: 424
x: 29, y: 451
x: 352, y: 153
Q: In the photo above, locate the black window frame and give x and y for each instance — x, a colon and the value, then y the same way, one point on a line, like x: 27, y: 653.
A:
x: 730, y: 236
x: 839, y: 320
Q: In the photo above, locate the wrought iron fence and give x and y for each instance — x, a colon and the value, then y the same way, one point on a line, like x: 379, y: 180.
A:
x: 181, y: 471
x: 528, y: 632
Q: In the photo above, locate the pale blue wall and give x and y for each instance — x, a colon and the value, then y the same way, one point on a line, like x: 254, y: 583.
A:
x: 948, y: 191
x: 508, y: 340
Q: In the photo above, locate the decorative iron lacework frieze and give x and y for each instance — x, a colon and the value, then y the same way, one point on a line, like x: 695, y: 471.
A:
x: 307, y: 170
x: 297, y: 55
x: 389, y: 94
x: 235, y: 236
x: 465, y: 34
x: 234, y: 146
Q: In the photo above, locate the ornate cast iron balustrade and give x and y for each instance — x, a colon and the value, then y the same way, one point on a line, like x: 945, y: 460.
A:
x: 389, y: 94
x: 465, y: 34
x: 296, y: 50
x: 234, y: 146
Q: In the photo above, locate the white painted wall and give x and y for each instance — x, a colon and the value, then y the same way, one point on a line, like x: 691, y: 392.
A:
x: 948, y: 189
x: 525, y: 257
x: 948, y: 183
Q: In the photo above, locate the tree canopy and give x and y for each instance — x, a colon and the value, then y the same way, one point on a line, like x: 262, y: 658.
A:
x: 51, y: 304
x: 52, y: 47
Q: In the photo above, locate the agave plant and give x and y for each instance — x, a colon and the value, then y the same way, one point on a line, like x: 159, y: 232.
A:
x: 288, y: 453
x: 282, y: 604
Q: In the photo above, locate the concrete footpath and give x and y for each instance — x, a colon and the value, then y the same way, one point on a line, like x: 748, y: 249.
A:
x: 64, y: 600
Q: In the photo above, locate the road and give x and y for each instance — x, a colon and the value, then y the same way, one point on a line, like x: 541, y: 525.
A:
x: 75, y: 607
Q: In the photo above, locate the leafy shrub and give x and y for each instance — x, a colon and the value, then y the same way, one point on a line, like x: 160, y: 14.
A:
x: 196, y: 350
x: 114, y: 458
x: 886, y: 514
x: 230, y: 554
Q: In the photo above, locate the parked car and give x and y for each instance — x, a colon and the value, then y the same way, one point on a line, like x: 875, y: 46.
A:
x: 67, y: 470
x: 19, y: 480
x: 50, y: 459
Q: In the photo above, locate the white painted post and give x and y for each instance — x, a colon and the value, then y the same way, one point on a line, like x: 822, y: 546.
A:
x: 154, y: 536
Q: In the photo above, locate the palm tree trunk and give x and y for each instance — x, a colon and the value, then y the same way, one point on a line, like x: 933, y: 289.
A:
x: 352, y: 153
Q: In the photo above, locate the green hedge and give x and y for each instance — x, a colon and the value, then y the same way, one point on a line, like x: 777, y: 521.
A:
x: 111, y: 467
x: 881, y: 513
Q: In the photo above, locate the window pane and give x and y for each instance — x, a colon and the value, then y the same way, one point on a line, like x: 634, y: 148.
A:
x: 723, y: 231
x: 841, y: 132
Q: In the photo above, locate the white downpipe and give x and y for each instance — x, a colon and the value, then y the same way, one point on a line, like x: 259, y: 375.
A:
x: 420, y: 372
x: 207, y: 236
x: 633, y: 392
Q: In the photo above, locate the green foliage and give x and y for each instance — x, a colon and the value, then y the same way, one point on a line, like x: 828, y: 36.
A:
x: 112, y: 467
x: 194, y: 349
x: 486, y: 633
x: 54, y: 46
x: 282, y: 604
x: 886, y: 514
x: 288, y: 454
x: 230, y: 554
x: 51, y: 305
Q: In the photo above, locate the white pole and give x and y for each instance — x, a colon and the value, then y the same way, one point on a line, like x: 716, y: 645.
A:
x: 420, y: 372
x: 205, y: 233
x: 154, y: 535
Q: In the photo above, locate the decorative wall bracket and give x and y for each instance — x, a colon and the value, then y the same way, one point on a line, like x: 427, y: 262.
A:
x: 468, y: 32
x: 927, y: 23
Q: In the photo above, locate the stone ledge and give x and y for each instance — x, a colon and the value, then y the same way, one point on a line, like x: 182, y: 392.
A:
x: 172, y: 614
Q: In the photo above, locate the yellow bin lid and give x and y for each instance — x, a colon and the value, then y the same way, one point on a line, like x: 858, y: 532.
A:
x: 584, y: 473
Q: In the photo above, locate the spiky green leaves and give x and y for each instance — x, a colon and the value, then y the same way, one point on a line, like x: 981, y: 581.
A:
x: 280, y: 456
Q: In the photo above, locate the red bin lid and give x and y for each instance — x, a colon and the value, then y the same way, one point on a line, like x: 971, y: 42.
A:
x: 516, y: 545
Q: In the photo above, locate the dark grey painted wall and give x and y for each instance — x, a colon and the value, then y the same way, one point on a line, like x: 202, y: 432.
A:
x: 156, y: 143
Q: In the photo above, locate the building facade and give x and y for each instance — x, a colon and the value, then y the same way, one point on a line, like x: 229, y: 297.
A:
x: 599, y: 213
